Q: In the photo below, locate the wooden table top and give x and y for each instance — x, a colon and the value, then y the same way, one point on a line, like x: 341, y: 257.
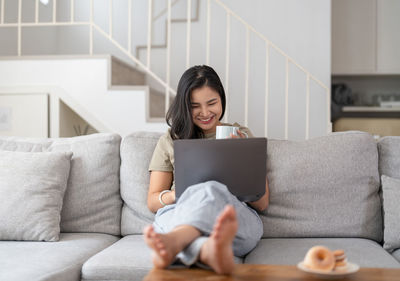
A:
x: 259, y: 272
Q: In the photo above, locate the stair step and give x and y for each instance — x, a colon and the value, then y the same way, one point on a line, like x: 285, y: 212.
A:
x: 125, y: 74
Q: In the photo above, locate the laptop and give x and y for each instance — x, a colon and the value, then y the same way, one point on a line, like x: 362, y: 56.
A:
x: 240, y: 164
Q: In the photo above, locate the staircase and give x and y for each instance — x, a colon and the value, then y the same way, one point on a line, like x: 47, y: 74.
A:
x: 148, y: 59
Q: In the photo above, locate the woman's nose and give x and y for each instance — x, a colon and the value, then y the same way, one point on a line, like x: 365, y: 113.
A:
x: 204, y: 111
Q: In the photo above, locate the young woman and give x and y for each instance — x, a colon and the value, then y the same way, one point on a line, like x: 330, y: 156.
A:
x: 207, y: 225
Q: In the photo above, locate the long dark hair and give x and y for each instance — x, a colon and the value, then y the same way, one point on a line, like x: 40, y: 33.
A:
x: 179, y: 116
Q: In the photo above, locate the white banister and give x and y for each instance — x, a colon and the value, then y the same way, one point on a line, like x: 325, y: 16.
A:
x: 246, y: 84
x: 287, y: 99
x: 168, y: 64
x: 2, y: 11
x: 91, y: 28
x: 110, y: 18
x: 308, y: 107
x: 37, y: 11
x: 72, y: 10
x: 54, y: 11
x: 208, y: 32
x: 188, y: 31
x: 19, y: 26
x: 149, y: 30
x: 266, y: 88
x: 227, y: 51
x: 130, y: 26
x: 328, y: 111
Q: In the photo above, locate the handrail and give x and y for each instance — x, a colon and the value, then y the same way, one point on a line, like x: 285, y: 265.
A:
x: 230, y: 14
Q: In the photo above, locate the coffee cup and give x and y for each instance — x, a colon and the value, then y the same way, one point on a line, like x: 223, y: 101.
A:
x: 224, y: 132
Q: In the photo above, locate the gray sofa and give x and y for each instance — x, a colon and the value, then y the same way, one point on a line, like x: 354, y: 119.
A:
x: 326, y: 190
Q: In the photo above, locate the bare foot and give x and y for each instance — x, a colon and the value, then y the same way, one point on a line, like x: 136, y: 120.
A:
x: 217, y: 250
x: 164, y: 247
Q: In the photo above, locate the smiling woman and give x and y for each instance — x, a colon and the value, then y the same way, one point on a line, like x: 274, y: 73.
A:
x: 208, y: 224
x: 199, y: 104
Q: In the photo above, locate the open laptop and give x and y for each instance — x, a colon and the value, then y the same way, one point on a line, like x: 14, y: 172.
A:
x: 240, y: 164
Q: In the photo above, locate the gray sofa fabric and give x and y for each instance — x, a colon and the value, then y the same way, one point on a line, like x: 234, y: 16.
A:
x: 389, y: 156
x: 316, y: 184
x: 127, y: 259
x: 32, y: 187
x: 391, y: 211
x: 323, y: 191
x: 49, y: 261
x: 364, y: 252
x: 136, y: 152
x: 396, y: 254
x: 92, y: 201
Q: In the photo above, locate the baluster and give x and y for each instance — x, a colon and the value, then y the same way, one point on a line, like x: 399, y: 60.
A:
x: 149, y: 31
x: 168, y: 72
x: 228, y: 35
x: 188, y: 31
x: 266, y: 88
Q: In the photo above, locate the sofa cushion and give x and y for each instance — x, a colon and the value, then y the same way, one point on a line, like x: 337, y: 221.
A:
x: 32, y: 187
x: 136, y: 152
x: 389, y: 156
x: 24, y: 144
x: 324, y: 187
x: 127, y: 259
x: 92, y: 201
x: 61, y: 261
x: 391, y: 212
x: 290, y: 251
x: 396, y: 255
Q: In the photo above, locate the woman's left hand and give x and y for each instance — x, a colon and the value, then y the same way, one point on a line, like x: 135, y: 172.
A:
x: 240, y: 135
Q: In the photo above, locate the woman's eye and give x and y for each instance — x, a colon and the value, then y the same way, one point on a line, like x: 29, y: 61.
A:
x: 212, y: 103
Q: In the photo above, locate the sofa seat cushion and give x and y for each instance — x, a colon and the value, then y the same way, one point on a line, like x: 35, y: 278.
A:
x: 396, y: 255
x: 290, y: 251
x: 128, y: 259
x: 61, y: 261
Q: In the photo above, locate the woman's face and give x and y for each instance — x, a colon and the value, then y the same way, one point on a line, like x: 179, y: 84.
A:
x: 206, y: 109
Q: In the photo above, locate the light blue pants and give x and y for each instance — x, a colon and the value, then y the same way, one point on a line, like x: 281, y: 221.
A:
x: 199, y: 206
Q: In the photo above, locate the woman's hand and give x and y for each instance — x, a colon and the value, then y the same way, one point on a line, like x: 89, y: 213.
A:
x: 241, y: 135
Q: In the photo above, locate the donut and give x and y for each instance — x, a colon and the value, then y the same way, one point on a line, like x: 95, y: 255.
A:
x: 319, y: 258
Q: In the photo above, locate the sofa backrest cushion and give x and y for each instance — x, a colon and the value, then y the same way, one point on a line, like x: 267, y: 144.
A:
x: 92, y: 201
x: 391, y: 210
x: 136, y: 152
x: 32, y: 187
x: 389, y: 156
x: 324, y: 187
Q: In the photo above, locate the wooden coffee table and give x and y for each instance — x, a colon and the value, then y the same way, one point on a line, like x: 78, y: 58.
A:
x: 258, y: 272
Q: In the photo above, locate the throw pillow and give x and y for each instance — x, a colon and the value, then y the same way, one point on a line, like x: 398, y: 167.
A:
x: 32, y: 186
x: 391, y: 211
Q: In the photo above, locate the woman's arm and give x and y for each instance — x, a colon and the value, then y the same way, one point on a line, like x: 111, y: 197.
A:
x: 262, y: 203
x: 160, y: 181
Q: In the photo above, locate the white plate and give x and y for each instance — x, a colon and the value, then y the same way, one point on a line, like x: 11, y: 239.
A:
x: 349, y: 269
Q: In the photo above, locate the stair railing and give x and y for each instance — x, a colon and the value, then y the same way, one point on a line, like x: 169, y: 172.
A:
x: 166, y: 83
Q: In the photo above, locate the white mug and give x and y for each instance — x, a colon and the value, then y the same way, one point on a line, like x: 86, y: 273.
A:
x: 224, y: 132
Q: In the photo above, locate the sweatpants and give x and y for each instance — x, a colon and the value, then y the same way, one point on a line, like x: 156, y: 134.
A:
x: 199, y: 206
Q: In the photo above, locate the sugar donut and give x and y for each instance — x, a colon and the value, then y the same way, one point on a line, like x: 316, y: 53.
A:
x: 319, y: 258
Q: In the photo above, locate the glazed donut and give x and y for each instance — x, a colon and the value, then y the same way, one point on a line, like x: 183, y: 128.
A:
x: 319, y: 258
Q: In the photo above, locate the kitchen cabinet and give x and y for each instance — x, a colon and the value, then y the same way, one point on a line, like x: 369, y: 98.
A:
x: 388, y: 44
x: 365, y: 37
